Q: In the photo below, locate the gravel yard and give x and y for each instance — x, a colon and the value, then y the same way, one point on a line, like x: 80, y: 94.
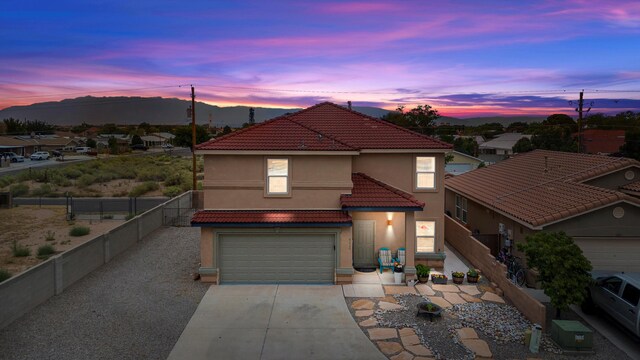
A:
x: 134, y: 307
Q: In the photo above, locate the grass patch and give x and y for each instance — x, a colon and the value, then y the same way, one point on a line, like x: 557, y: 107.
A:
x: 19, y: 190
x: 45, y: 251
x: 4, y: 275
x: 79, y: 231
x: 144, y: 188
x: 19, y: 250
x: 43, y: 190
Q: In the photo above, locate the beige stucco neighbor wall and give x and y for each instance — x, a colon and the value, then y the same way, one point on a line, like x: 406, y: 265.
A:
x: 398, y: 170
x: 480, y: 257
x: 615, y: 180
x: 238, y: 182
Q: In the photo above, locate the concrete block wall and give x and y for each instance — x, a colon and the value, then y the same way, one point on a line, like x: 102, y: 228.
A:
x: 480, y: 257
x: 23, y: 292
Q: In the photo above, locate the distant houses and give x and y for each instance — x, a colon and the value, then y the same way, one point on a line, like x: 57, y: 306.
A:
x: 499, y: 148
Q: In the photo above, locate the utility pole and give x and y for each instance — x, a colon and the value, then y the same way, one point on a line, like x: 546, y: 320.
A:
x: 193, y: 136
x: 579, y: 109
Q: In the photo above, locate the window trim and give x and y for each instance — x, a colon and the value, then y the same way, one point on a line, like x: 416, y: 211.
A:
x: 435, y: 233
x: 267, y: 177
x: 462, y: 209
x: 416, y: 173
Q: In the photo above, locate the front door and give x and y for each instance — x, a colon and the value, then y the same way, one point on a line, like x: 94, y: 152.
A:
x: 363, y: 243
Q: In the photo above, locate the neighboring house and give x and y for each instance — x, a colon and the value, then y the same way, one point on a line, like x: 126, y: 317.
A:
x: 604, y: 142
x: 153, y: 140
x: 499, y: 148
x: 18, y: 146
x: 461, y: 163
x: 307, y: 197
x: 54, y: 143
x: 589, y: 197
x: 168, y: 137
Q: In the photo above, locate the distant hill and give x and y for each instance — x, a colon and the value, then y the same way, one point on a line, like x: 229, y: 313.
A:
x: 155, y: 110
x: 169, y: 111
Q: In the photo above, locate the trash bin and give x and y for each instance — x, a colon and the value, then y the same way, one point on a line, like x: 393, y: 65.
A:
x: 536, y: 337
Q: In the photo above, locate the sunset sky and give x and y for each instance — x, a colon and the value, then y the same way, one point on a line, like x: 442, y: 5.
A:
x: 465, y: 58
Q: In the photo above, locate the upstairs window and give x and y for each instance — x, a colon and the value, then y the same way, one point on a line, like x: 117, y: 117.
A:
x: 277, y: 176
x: 461, y: 208
x: 425, y: 172
x: 425, y: 236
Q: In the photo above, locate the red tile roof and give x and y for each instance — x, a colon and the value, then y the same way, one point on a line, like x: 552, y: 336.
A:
x: 542, y: 186
x: 325, y: 126
x: 598, y: 141
x: 211, y: 217
x: 633, y: 187
x: 368, y: 192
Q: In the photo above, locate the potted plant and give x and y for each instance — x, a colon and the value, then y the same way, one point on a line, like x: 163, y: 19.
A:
x: 422, y: 271
x: 397, y: 272
x: 439, y: 278
x: 458, y: 277
x: 472, y: 276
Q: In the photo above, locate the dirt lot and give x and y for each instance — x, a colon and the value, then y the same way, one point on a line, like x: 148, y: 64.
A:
x: 30, y: 227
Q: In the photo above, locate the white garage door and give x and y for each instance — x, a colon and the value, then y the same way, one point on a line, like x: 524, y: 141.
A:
x: 277, y: 258
x: 618, y: 254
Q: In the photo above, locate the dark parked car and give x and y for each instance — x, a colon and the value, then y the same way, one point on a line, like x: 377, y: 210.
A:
x: 618, y: 295
x: 13, y: 157
x: 56, y: 153
x: 139, y: 147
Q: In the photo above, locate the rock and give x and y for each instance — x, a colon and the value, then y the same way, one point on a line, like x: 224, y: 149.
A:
x: 469, y: 289
x: 390, y: 299
x: 389, y: 347
x: 382, y: 333
x: 386, y: 306
x: 485, y: 288
x: 410, y: 340
x: 424, y: 358
x: 402, y: 356
x: 363, y: 313
x: 406, y: 332
x: 501, y: 322
x: 369, y: 322
x: 453, y: 298
x: 479, y: 347
x: 195, y: 276
x: 469, y: 298
x: 362, y: 304
x: 492, y: 297
x: 419, y: 350
x: 399, y: 290
x: 467, y: 333
x: 425, y: 289
x: 440, y: 302
x: 445, y: 288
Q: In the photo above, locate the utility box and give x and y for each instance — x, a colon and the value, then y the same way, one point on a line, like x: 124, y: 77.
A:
x: 571, y: 335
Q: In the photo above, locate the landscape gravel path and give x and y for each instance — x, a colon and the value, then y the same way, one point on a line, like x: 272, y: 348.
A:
x: 134, y: 307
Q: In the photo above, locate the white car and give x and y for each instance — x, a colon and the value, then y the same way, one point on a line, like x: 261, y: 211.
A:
x: 40, y: 155
x: 167, y: 146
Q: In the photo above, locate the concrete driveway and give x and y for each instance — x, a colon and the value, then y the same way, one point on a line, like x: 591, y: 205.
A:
x: 273, y: 322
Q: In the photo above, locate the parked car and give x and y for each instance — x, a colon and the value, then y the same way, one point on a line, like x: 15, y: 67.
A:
x: 139, y: 147
x: 14, y: 158
x: 618, y: 295
x: 167, y: 146
x: 56, y: 153
x: 40, y: 155
x: 83, y: 149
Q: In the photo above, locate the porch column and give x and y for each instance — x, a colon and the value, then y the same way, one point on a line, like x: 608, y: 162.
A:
x: 410, y: 243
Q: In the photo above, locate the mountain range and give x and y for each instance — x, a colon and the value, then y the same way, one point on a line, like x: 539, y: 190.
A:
x: 171, y: 111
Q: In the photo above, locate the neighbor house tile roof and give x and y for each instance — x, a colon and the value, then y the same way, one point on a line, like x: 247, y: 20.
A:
x: 274, y: 217
x: 327, y: 127
x: 541, y: 186
x: 634, y: 187
x: 370, y: 193
x: 597, y: 141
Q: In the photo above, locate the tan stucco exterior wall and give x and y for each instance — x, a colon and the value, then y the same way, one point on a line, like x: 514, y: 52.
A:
x: 389, y: 236
x: 238, y: 182
x: 619, y: 178
x: 346, y: 248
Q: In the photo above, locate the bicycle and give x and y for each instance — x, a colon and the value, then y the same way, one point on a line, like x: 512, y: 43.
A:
x: 515, y: 271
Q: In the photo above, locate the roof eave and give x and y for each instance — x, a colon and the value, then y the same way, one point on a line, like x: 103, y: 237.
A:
x: 270, y: 225
x: 276, y: 152
x: 383, y: 208
x: 405, y: 151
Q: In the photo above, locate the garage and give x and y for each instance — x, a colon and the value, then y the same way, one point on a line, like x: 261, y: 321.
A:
x: 618, y: 254
x: 277, y: 258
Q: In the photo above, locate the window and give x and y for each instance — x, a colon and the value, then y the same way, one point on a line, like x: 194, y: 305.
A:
x: 277, y: 176
x: 631, y: 294
x: 425, y: 172
x: 612, y: 284
x: 461, y: 208
x: 425, y: 236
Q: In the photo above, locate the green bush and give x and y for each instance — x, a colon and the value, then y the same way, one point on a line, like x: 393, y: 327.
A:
x: 45, y: 251
x: 72, y: 172
x: 43, y: 190
x: 19, y: 190
x: 59, y: 179
x: 85, y: 180
x: 79, y: 231
x: 6, y: 181
x: 4, y: 275
x: 152, y: 174
x: 144, y: 188
x: 20, y: 250
x: 172, y: 191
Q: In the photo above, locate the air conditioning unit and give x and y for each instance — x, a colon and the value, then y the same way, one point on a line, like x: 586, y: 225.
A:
x: 572, y: 335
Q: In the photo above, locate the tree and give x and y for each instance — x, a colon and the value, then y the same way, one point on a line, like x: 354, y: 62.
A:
x: 113, y: 145
x: 226, y: 130
x: 420, y: 119
x: 522, y: 146
x: 517, y: 127
x: 183, y: 135
x: 563, y: 269
x: 447, y: 138
x: 466, y: 145
x: 556, y: 138
x: 136, y: 139
x: 561, y: 120
x: 631, y: 147
x: 91, y: 143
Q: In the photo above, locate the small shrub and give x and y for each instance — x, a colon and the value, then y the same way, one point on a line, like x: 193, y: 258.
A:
x: 6, y: 181
x: 43, y: 190
x: 172, y: 191
x: 85, y: 180
x: 79, y: 231
x: 50, y: 235
x: 19, y: 190
x: 144, y: 188
x: 72, y: 172
x: 4, y: 275
x: 45, y: 251
x: 20, y: 250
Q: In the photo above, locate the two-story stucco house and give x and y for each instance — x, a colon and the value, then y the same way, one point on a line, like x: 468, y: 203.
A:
x: 306, y: 197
